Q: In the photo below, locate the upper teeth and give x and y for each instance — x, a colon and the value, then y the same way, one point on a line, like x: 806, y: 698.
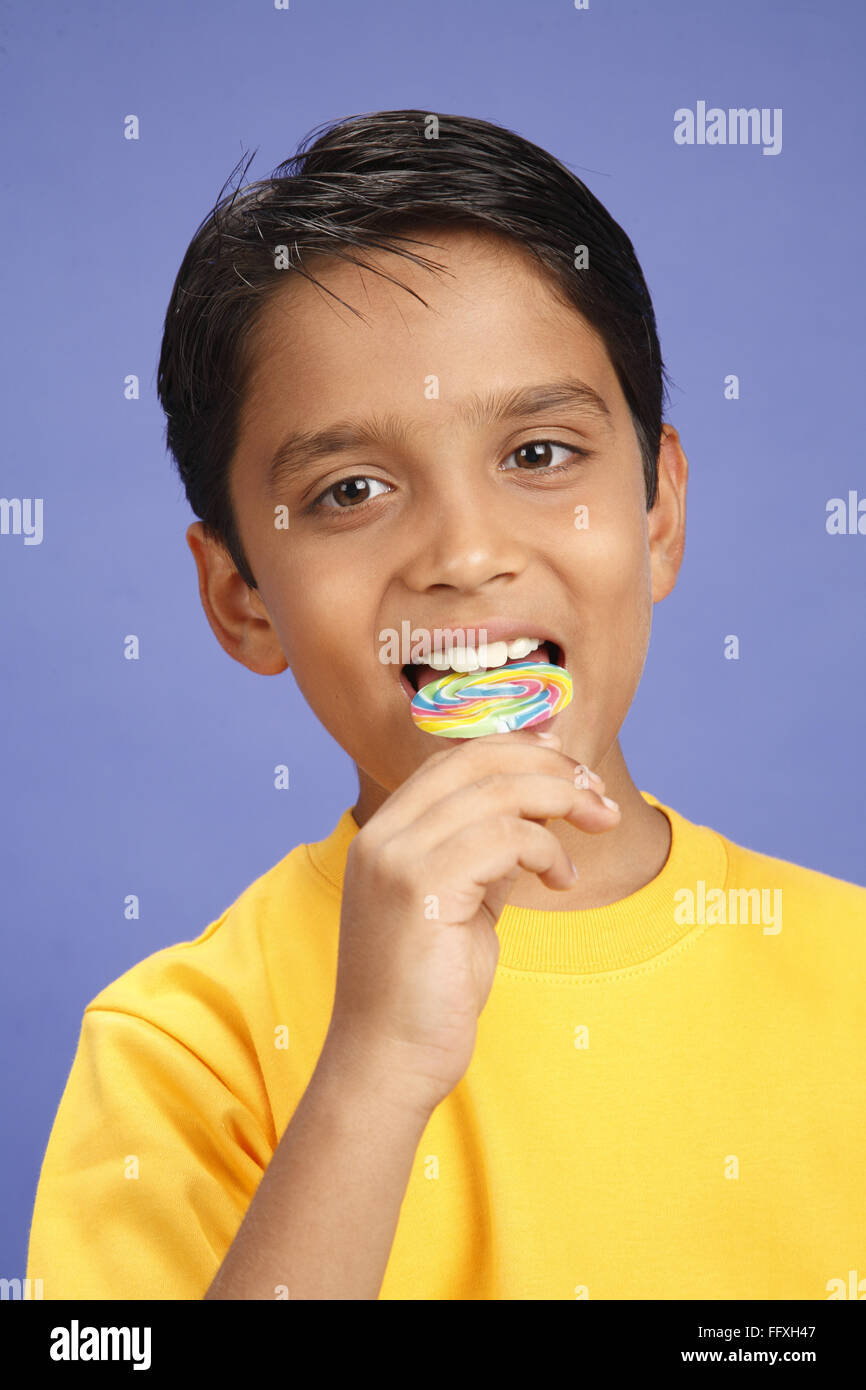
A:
x: 477, y: 658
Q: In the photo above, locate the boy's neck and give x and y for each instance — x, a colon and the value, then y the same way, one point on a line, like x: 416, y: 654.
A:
x: 611, y: 865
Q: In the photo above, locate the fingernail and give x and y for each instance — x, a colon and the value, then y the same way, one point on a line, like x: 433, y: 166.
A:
x: 608, y: 801
x: 582, y: 773
x: 574, y: 868
x: 539, y: 734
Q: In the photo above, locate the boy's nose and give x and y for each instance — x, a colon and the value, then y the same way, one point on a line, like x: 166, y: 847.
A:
x: 464, y: 543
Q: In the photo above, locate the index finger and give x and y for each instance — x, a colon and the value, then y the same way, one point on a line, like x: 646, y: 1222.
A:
x: 521, y: 750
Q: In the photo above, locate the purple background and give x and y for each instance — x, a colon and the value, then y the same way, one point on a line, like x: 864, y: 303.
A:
x: 155, y: 777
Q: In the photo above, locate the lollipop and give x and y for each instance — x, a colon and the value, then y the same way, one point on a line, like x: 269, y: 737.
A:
x: 492, y: 702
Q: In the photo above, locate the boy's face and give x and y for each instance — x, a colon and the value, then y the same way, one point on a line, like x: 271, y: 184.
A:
x: 452, y: 521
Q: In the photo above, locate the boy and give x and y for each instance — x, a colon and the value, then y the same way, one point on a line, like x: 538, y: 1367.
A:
x: 424, y: 1058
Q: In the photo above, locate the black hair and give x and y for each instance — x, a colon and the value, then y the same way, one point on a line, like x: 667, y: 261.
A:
x: 364, y: 182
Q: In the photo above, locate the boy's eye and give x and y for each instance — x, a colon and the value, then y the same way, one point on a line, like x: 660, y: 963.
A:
x: 349, y: 491
x: 539, y: 452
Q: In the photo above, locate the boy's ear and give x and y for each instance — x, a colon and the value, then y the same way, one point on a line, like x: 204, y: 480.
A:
x: 666, y: 522
x: 236, y: 613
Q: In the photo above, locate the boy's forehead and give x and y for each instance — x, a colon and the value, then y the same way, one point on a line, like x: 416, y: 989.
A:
x: 472, y: 252
x: 488, y: 283
x: 494, y: 319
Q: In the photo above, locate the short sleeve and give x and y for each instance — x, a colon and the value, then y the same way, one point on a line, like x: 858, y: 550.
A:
x: 150, y: 1166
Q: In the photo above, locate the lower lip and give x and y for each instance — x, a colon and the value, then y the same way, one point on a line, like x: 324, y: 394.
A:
x: 543, y: 725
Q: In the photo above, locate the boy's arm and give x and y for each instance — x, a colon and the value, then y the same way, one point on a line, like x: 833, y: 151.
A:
x: 322, y: 1221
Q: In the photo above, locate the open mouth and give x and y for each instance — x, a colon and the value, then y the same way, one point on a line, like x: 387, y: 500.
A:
x: 414, y: 677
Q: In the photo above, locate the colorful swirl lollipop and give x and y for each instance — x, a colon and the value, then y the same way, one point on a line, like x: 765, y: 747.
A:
x: 492, y: 702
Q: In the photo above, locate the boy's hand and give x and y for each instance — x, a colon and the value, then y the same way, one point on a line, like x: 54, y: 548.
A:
x: 425, y: 882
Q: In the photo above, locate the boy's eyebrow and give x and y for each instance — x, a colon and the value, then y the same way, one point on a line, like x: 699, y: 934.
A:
x: 299, y: 450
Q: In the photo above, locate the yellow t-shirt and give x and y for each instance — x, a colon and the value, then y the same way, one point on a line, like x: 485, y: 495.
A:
x: 666, y: 1098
